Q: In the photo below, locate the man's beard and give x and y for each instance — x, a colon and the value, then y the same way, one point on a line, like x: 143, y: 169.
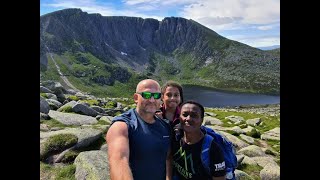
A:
x: 150, y: 108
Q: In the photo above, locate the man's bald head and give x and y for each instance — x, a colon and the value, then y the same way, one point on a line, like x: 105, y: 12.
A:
x: 146, y: 84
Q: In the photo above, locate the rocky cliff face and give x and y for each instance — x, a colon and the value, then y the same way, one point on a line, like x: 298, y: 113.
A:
x: 107, y: 37
x: 174, y: 46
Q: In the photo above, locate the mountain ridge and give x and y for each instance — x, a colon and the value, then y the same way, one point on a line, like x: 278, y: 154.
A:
x: 174, y: 48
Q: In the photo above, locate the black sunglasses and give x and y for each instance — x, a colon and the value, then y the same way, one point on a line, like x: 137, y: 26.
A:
x: 148, y: 95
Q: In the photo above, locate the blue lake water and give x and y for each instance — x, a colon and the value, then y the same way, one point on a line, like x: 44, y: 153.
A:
x: 213, y: 98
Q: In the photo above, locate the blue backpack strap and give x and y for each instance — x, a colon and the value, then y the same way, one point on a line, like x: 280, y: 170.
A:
x: 205, y: 153
x: 228, y: 150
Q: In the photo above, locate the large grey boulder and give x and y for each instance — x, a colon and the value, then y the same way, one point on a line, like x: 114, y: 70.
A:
x: 248, y: 139
x: 54, y: 104
x: 273, y: 134
x: 104, y: 148
x: 71, y: 91
x: 263, y: 161
x: 45, y: 90
x: 248, y: 129
x: 237, y: 130
x: 44, y: 127
x: 249, y: 160
x: 270, y: 172
x: 51, y: 96
x: 84, y: 109
x: 238, y: 143
x: 218, y: 128
x: 107, y: 119
x: 208, y: 120
x: 44, y: 106
x: 61, y: 97
x: 85, y: 136
x: 252, y: 151
x: 44, y: 116
x: 68, y: 105
x: 253, y: 122
x: 72, y: 119
x: 55, y: 87
x: 92, y: 165
x: 81, y: 96
x: 235, y: 119
x: 98, y: 109
x: 210, y: 114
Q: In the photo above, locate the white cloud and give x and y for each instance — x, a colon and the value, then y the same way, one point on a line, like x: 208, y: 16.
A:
x: 247, y: 11
x: 146, y: 7
x: 256, y: 41
x: 263, y: 28
x: 221, y: 15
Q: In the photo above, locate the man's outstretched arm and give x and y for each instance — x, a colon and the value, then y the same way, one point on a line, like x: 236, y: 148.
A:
x: 118, y: 151
x: 169, y: 165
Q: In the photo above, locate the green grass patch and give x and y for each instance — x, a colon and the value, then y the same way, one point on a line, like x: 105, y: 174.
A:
x: 58, y: 143
x: 73, y: 98
x: 54, y: 123
x: 101, y: 122
x: 67, y: 172
x: 70, y: 156
x: 251, y: 170
x: 268, y: 151
x: 44, y: 95
x: 111, y: 104
x: 254, y: 133
x: 91, y: 102
x: 51, y: 72
x: 274, y: 144
x: 269, y: 122
x: 59, y: 173
x: 120, y: 90
x: 90, y: 69
x: 66, y: 109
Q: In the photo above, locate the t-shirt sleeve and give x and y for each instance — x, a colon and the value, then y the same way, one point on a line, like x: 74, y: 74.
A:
x: 126, y: 118
x: 217, y: 160
x: 120, y: 119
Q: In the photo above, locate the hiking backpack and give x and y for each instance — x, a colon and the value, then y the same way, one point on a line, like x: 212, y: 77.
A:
x: 226, y: 147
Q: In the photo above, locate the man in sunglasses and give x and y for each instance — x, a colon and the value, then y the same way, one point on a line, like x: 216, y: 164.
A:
x: 138, y: 141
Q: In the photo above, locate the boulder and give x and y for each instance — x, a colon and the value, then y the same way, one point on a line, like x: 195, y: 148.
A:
x: 92, y: 165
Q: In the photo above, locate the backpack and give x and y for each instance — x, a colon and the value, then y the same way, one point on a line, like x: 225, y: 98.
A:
x: 227, y: 149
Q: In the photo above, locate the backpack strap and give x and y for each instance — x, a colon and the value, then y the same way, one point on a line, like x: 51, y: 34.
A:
x: 205, y: 153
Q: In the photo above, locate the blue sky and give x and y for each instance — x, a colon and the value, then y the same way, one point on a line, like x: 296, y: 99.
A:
x: 252, y: 22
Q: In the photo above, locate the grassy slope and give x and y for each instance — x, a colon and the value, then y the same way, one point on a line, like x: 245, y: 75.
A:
x: 69, y: 65
x: 184, y: 70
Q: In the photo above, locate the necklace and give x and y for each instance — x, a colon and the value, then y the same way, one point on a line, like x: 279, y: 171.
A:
x: 193, y: 140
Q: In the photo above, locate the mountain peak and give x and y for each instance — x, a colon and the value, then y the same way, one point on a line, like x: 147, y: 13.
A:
x: 174, y: 48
